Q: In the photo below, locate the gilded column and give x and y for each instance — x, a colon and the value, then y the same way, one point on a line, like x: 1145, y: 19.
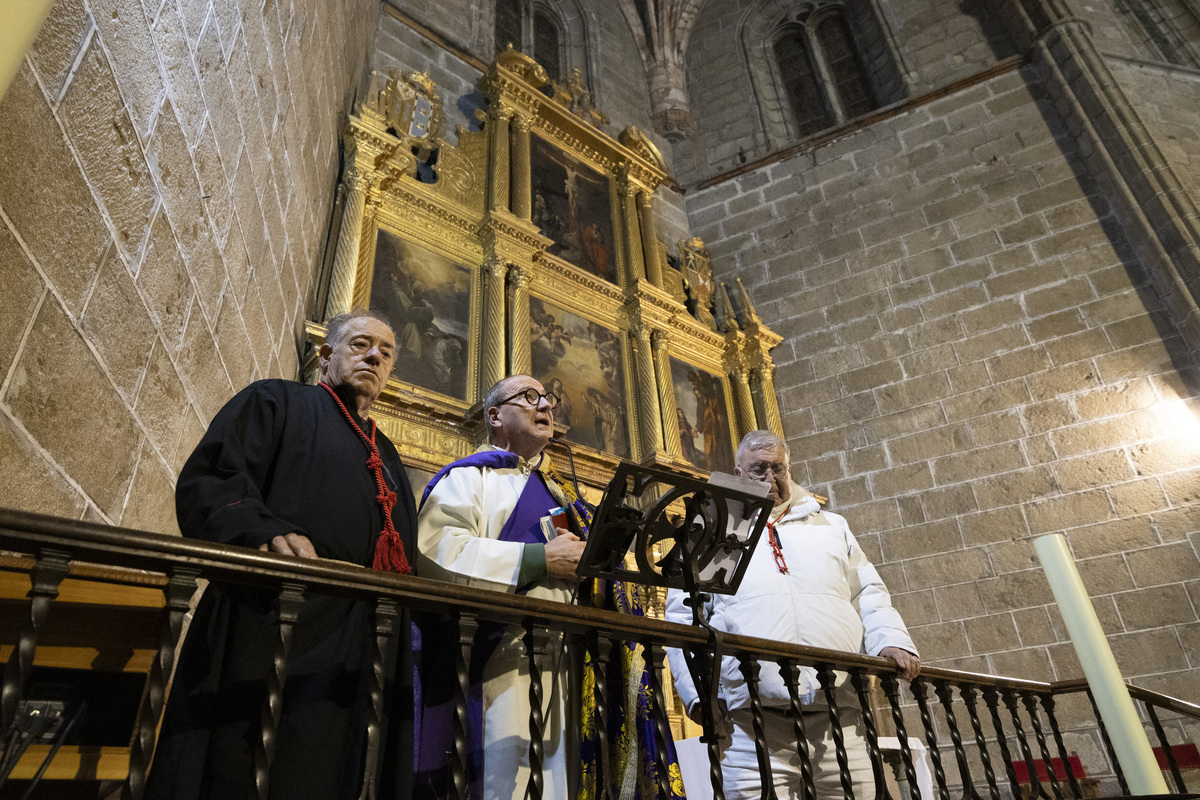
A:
x: 498, y: 146
x: 491, y: 369
x: 660, y: 343
x: 633, y: 251
x: 743, y: 402
x: 768, y: 404
x: 649, y: 415
x: 518, y: 332
x: 521, y: 191
x: 650, y: 238
x: 345, y: 258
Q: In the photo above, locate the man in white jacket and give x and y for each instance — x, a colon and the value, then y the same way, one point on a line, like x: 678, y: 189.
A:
x: 808, y: 583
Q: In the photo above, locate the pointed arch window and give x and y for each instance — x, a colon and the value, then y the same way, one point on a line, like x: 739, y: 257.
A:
x: 549, y: 31
x: 547, y: 43
x: 821, y: 71
x: 800, y: 82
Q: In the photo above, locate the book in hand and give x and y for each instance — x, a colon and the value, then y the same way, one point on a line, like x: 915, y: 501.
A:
x: 557, y: 518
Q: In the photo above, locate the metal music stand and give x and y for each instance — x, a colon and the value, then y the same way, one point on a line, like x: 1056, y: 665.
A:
x: 705, y: 532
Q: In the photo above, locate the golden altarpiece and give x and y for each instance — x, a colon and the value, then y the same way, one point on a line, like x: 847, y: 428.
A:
x: 530, y: 246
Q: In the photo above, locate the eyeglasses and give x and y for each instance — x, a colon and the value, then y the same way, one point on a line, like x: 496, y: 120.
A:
x: 759, y: 471
x: 533, y: 397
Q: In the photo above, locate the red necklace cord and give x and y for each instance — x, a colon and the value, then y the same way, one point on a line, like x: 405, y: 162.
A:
x: 389, y: 550
x: 776, y: 549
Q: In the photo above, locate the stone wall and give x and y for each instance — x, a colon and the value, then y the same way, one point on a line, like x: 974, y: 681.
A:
x: 973, y: 357
x: 1166, y: 99
x: 938, y: 43
x: 166, y: 181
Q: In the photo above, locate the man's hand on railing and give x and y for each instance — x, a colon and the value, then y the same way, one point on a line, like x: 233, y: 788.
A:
x: 908, y: 665
x: 563, y: 553
x: 291, y: 544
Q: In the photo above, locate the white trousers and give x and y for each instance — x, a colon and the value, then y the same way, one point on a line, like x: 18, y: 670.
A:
x: 739, y: 766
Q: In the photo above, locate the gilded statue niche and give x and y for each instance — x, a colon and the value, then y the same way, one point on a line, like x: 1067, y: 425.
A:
x: 531, y: 246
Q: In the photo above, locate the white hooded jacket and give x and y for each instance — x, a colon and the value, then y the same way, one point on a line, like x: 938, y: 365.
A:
x: 832, y: 597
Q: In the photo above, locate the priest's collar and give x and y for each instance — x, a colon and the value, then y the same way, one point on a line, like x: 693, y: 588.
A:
x: 542, y: 462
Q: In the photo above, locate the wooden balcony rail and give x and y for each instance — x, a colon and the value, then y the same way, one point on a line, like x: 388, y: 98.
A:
x: 956, y: 711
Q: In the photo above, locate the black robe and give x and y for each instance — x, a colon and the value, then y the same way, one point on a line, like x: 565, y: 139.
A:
x: 280, y: 457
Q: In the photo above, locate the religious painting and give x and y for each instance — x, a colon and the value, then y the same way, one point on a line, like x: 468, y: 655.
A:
x: 427, y: 299
x: 703, y: 416
x: 581, y: 362
x: 573, y: 208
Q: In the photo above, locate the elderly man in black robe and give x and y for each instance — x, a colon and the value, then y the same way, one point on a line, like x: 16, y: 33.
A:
x: 298, y: 470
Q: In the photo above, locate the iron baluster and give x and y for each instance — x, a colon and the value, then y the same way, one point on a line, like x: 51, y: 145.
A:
x: 287, y: 607
x: 662, y: 734
x: 1112, y: 754
x: 871, y: 734
x: 1166, y: 747
x: 826, y: 677
x: 968, y: 693
x: 177, y: 594
x: 536, y: 637
x: 48, y: 571
x: 1035, y: 785
x: 992, y: 698
x: 1048, y: 705
x: 385, y: 622
x: 1036, y: 721
x: 462, y: 692
x: 939, y: 773
x: 601, y: 648
x: 945, y: 694
x: 891, y: 688
x: 750, y: 669
x: 791, y: 678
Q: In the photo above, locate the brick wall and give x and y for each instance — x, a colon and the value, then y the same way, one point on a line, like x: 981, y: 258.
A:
x: 972, y: 358
x: 166, y: 180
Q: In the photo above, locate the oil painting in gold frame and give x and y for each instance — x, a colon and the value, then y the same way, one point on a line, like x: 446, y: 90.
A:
x: 581, y: 361
x: 426, y: 297
x: 702, y: 412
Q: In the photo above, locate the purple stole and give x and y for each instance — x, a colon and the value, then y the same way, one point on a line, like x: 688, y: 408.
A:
x: 435, y: 642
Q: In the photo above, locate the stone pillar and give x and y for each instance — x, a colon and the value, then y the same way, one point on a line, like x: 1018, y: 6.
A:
x: 491, y: 366
x: 498, y: 148
x: 522, y: 191
x: 660, y: 344
x: 345, y: 258
x: 519, y: 323
x: 766, y: 405
x: 1152, y: 204
x: 631, y: 236
x: 645, y: 200
x: 649, y: 415
x: 743, y: 403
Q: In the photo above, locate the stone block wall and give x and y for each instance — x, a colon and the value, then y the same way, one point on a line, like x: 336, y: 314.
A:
x: 166, y: 180
x: 1166, y: 99
x: 938, y: 43
x: 973, y: 357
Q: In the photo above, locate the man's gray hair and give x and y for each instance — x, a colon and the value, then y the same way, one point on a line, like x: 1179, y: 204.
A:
x: 335, y: 329
x: 496, y: 395
x: 762, y: 440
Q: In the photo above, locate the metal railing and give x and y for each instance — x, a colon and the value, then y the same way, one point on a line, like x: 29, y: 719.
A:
x: 964, y: 718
